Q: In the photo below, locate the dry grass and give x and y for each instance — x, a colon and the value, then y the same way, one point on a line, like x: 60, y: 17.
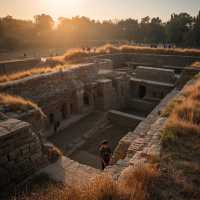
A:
x: 31, y: 72
x: 137, y: 184
x: 109, y: 48
x: 184, y: 112
x: 16, y: 103
x: 171, y: 106
x: 180, y: 159
x: 184, y: 115
x: 196, y: 64
x: 78, y: 54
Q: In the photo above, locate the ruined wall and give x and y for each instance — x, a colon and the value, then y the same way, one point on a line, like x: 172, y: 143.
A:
x: 20, y: 153
x: 150, y: 89
x: 135, y: 140
x: 124, y: 119
x: 40, y: 87
x: 8, y: 67
x: 59, y: 93
x: 121, y: 59
x: 141, y: 106
x: 155, y: 74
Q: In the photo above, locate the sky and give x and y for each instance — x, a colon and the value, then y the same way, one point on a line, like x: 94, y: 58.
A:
x: 98, y: 9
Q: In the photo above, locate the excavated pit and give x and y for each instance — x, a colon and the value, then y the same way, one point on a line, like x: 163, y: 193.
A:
x: 80, y: 140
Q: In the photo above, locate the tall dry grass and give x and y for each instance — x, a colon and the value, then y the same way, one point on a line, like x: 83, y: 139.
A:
x: 196, y: 64
x: 179, y: 162
x: 16, y: 103
x: 31, y: 72
x: 110, y: 48
x: 184, y: 119
x: 137, y: 184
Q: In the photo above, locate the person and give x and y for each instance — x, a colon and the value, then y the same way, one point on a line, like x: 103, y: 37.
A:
x: 56, y: 126
x: 105, y: 154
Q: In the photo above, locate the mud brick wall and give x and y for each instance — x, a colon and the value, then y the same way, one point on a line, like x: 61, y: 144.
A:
x: 149, y: 73
x: 9, y: 67
x: 121, y: 59
x: 124, y: 119
x: 40, y: 88
x: 20, y: 153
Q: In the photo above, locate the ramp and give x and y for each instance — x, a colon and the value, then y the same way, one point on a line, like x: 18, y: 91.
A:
x: 70, y: 172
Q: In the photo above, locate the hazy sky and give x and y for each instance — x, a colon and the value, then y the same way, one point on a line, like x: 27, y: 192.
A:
x: 98, y: 9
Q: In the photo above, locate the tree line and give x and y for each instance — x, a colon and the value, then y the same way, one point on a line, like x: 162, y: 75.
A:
x: 182, y: 30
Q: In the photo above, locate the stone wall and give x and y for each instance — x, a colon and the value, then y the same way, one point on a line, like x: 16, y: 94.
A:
x: 155, y: 74
x: 141, y: 106
x: 124, y: 119
x: 121, y: 59
x: 75, y: 91
x: 144, y: 142
x: 143, y: 89
x: 8, y: 67
x: 20, y: 153
x: 130, y: 143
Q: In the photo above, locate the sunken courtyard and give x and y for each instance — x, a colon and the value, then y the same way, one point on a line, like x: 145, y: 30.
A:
x: 114, y: 97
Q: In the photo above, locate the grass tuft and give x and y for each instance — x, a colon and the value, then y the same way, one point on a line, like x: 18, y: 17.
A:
x: 31, y: 72
x: 16, y: 103
x: 196, y: 64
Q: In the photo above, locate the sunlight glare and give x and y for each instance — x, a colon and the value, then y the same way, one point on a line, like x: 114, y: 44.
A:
x: 54, y: 4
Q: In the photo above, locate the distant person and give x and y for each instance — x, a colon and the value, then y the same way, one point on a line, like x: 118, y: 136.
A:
x: 56, y: 126
x: 105, y: 154
x: 25, y: 55
x: 88, y: 49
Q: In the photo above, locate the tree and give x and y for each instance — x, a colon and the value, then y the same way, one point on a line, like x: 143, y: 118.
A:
x: 44, y: 22
x: 129, y: 29
x: 178, y: 26
x: 195, y: 32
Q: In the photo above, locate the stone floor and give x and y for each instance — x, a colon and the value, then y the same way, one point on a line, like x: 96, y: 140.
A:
x: 70, y: 172
x: 80, y: 141
x: 88, y: 152
x: 73, y: 135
